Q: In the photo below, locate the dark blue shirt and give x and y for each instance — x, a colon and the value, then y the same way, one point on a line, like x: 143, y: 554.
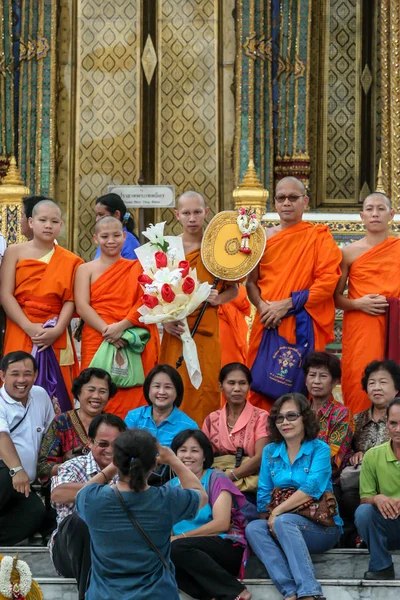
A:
x: 123, y: 564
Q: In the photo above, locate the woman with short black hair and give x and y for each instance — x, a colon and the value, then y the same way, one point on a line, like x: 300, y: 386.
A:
x: 67, y: 436
x: 209, y: 551
x: 163, y: 390
x: 125, y: 564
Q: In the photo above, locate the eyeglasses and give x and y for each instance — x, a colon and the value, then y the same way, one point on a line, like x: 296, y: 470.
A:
x: 289, y: 416
x: 292, y: 198
x: 102, y: 443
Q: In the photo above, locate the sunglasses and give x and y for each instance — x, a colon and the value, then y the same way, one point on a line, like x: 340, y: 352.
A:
x: 102, y: 443
x: 291, y: 416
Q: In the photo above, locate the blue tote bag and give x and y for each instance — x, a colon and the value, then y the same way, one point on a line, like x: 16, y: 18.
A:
x: 277, y: 369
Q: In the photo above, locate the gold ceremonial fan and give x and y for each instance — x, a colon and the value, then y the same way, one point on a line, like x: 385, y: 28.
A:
x: 225, y: 253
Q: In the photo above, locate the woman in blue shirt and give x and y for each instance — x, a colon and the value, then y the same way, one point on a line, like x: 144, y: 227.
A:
x: 124, y: 565
x: 209, y: 551
x: 163, y: 390
x: 112, y: 205
x: 283, y: 540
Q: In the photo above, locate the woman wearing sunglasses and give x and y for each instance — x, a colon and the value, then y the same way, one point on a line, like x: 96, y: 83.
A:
x: 283, y: 540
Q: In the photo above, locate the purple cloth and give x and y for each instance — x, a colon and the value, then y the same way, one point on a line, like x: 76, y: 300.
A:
x: 219, y: 482
x: 50, y: 377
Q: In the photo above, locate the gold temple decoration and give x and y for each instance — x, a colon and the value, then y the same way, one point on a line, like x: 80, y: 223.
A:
x: 379, y: 179
x: 149, y: 60
x: 12, y: 190
x: 366, y: 79
x: 251, y: 192
x: 390, y: 91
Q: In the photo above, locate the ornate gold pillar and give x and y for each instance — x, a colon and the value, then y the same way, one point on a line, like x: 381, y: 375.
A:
x: 12, y: 190
x: 390, y: 73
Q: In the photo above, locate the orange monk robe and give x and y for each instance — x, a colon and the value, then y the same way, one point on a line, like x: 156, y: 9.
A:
x: 41, y: 289
x: 198, y: 403
x: 233, y: 328
x: 301, y: 257
x: 116, y: 295
x: 377, y: 271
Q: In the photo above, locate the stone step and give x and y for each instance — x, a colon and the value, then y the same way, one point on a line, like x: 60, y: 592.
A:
x: 339, y: 571
x: 336, y: 564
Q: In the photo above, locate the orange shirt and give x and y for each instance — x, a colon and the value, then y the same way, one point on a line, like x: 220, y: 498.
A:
x: 377, y: 271
x: 301, y: 257
x: 116, y: 295
x: 197, y: 404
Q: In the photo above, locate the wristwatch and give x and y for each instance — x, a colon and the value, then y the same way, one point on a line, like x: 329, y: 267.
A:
x: 14, y: 471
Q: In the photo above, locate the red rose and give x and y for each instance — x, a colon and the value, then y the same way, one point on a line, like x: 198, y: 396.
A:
x: 188, y: 285
x: 149, y: 300
x: 167, y: 293
x: 143, y: 279
x: 184, y: 266
x: 161, y: 260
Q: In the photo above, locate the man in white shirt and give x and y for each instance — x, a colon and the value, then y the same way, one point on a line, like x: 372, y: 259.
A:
x: 26, y: 412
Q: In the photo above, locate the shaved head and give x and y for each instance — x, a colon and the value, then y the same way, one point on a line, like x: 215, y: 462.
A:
x: 189, y: 195
x: 36, y: 209
x: 379, y: 196
x: 291, y: 179
x: 107, y: 221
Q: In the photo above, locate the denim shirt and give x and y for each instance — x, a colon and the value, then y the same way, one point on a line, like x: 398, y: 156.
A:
x: 310, y: 472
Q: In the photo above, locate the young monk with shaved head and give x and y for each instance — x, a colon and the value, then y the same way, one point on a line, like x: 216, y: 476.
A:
x: 107, y: 296
x: 371, y: 268
x: 191, y: 212
x: 37, y: 280
x: 299, y: 256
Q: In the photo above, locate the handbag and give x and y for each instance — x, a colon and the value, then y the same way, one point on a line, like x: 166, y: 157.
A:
x: 320, y: 511
x: 350, y: 478
x: 124, y: 364
x: 277, y: 368
x: 228, y: 462
x: 140, y: 529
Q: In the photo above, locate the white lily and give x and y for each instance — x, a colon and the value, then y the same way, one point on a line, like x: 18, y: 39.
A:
x: 155, y: 233
x: 165, y: 275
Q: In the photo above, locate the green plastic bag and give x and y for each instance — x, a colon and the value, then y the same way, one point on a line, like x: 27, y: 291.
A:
x: 124, y: 364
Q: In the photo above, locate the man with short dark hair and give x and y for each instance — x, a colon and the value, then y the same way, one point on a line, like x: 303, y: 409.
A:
x: 70, y: 543
x: 378, y: 516
x: 26, y: 412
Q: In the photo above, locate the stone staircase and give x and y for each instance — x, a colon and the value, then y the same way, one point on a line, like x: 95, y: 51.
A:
x: 339, y: 571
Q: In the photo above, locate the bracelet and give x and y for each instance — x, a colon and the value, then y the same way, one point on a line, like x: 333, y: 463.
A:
x: 104, y: 475
x: 234, y: 475
x: 184, y: 534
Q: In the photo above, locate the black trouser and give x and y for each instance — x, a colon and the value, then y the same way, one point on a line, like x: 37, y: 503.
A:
x: 71, y: 551
x: 20, y: 517
x: 207, y: 567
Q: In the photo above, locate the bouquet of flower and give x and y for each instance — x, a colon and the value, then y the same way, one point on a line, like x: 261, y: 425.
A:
x: 171, y: 289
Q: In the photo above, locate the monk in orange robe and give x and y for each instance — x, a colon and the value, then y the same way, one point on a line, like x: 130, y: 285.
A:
x: 298, y: 256
x: 233, y: 327
x: 198, y: 404
x: 37, y: 285
x: 108, y: 296
x: 371, y: 267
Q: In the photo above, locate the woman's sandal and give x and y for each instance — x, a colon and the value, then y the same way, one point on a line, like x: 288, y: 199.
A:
x: 245, y: 595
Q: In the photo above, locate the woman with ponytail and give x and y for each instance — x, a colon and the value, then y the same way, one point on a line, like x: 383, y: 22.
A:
x: 125, y: 562
x: 112, y: 205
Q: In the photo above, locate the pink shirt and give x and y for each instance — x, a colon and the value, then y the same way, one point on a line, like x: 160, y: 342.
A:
x: 250, y: 427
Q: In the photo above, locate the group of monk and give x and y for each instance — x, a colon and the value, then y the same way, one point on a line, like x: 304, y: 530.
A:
x: 41, y: 282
